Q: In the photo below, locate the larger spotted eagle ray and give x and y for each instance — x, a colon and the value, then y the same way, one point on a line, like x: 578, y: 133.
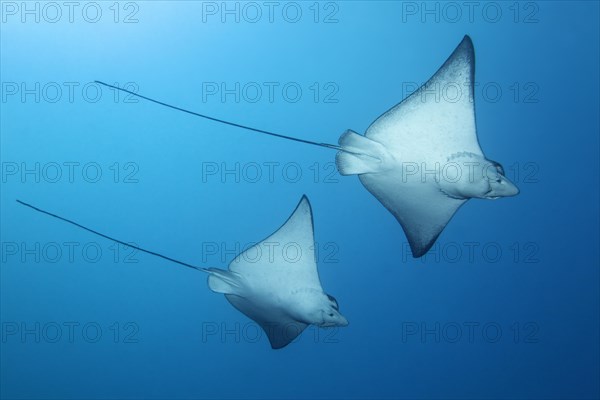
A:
x: 421, y: 159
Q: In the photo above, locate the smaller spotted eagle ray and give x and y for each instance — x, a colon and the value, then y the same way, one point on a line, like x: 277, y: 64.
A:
x: 421, y: 159
x: 282, y: 293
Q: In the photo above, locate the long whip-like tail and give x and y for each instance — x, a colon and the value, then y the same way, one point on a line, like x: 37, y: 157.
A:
x: 222, y: 121
x: 153, y: 253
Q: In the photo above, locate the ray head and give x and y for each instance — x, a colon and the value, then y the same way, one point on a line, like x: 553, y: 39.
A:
x: 467, y: 175
x: 320, y: 309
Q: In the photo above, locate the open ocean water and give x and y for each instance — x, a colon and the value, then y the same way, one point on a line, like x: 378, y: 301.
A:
x: 505, y: 305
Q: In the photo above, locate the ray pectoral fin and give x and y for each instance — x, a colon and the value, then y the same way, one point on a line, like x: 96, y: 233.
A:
x: 278, y: 325
x: 420, y: 207
x: 274, y: 268
x: 359, y: 154
x: 424, y: 225
x: 282, y: 334
x: 421, y: 240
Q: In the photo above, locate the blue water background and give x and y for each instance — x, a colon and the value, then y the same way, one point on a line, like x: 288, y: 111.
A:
x: 542, y: 292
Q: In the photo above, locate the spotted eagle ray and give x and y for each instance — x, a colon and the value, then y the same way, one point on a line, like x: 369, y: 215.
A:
x: 279, y: 291
x: 421, y: 159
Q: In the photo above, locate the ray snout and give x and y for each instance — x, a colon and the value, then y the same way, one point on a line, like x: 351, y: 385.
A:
x: 508, y: 189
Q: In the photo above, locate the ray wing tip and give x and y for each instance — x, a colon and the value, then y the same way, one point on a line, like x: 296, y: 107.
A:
x: 467, y: 43
x: 304, y: 200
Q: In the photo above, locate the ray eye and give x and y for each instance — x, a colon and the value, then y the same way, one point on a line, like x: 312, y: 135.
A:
x: 330, y: 314
x: 334, y: 301
x: 498, y: 166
